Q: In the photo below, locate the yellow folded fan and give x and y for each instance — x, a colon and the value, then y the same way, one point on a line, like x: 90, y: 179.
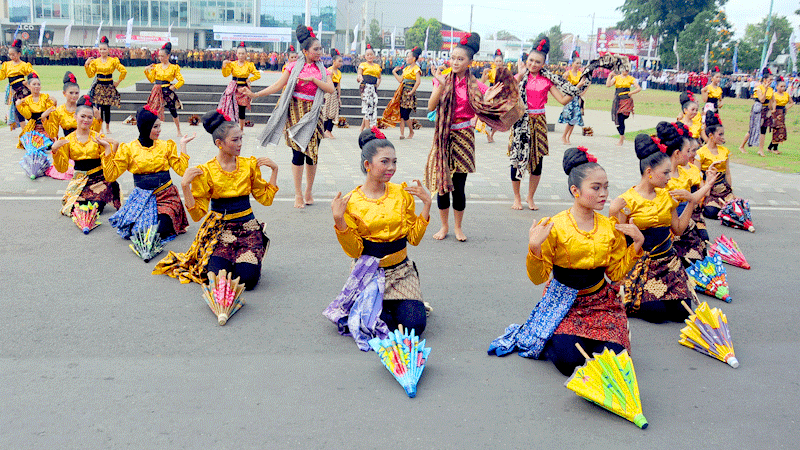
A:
x: 609, y: 380
x: 707, y: 332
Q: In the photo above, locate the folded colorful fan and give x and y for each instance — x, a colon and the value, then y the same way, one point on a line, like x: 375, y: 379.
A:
x: 146, y: 242
x: 35, y: 164
x: 85, y: 216
x: 728, y: 250
x: 710, y: 278
x: 34, y: 141
x: 736, y: 214
x: 707, y: 332
x: 609, y: 380
x: 223, y: 295
x: 404, y: 356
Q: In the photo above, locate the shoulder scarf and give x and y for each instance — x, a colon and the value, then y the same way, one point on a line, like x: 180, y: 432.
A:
x: 303, y: 130
x: 499, y: 113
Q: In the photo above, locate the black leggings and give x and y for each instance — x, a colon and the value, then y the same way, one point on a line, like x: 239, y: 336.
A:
x: 405, y: 113
x: 459, y: 196
x: 561, y: 350
x: 105, y: 113
x: 242, y: 112
x: 660, y: 312
x: 165, y: 226
x: 174, y: 112
x: 410, y: 313
x: 328, y: 125
x: 537, y: 171
x: 711, y: 212
x: 298, y: 158
x: 249, y: 274
x: 621, y: 124
x: 764, y: 130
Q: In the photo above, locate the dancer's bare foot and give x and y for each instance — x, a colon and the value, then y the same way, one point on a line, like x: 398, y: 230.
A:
x: 621, y: 141
x: 517, y: 204
x: 489, y: 140
x: 402, y: 137
x: 298, y: 202
x: 460, y: 236
x: 309, y: 198
x: 410, y: 135
x: 441, y: 234
x: 532, y: 205
x: 564, y: 140
x: 329, y: 135
x: 761, y: 153
x: 741, y: 149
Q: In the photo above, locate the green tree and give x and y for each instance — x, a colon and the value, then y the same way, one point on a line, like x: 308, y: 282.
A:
x: 504, y: 35
x: 754, y: 35
x: 749, y: 57
x: 415, y: 35
x: 556, y: 43
x: 708, y: 27
x: 375, y: 37
x: 664, y: 19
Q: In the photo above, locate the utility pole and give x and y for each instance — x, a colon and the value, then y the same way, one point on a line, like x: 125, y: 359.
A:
x: 471, y: 7
x: 308, y: 13
x: 592, y: 47
x: 766, y: 37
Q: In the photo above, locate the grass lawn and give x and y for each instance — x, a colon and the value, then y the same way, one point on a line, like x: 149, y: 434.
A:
x: 52, y: 77
x: 735, y: 115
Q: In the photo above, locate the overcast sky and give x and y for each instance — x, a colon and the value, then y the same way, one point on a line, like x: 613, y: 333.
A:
x: 575, y: 16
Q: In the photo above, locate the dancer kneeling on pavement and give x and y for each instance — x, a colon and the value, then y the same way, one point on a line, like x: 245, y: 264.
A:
x: 374, y: 223
x: 657, y: 284
x: 154, y: 199
x: 583, y: 249
x: 230, y: 237
x: 715, y: 155
x: 85, y: 147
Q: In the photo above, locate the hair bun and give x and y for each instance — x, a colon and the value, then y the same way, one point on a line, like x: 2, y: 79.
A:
x: 416, y: 51
x: 369, y: 46
x: 303, y: 33
x: 212, y: 120
x: 498, y: 52
x: 686, y: 97
x: 576, y: 156
x: 167, y: 47
x: 669, y: 135
x: 17, y: 43
x: 369, y: 135
x: 542, y: 44
x: 33, y: 75
x: 85, y: 100
x: 471, y: 41
x: 645, y: 146
x: 712, y: 118
x: 104, y: 40
x: 242, y: 45
x: 69, y: 77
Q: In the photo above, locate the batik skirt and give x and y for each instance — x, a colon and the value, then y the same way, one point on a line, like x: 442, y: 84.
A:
x: 89, y: 186
x: 599, y: 316
x: 332, y: 104
x: 779, y: 126
x: 755, y: 124
x: 572, y: 113
x: 161, y: 96
x: 659, y: 278
x: 369, y: 103
x: 407, y: 99
x: 462, y: 149
x: 231, y: 99
x: 692, y: 245
x: 105, y: 95
x: 237, y: 242
x: 622, y: 106
x: 538, y: 146
x: 766, y: 117
x: 297, y: 110
x: 14, y: 92
x: 142, y: 208
x: 721, y: 194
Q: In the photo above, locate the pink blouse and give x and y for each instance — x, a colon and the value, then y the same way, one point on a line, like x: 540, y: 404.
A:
x: 536, y: 90
x: 307, y: 88
x: 463, y: 110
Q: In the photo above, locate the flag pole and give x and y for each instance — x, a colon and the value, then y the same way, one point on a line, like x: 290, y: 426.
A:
x: 766, y: 36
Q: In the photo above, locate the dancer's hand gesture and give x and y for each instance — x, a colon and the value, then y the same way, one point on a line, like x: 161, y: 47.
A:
x: 538, y: 234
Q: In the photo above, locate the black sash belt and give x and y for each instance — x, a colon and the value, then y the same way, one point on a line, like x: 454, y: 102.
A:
x: 381, y: 249
x: 657, y: 240
x: 369, y: 79
x: 86, y: 165
x: 579, y: 278
x: 151, y: 181
x: 233, y: 205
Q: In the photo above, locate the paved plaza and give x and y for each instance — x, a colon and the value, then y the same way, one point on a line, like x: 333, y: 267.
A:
x: 97, y: 353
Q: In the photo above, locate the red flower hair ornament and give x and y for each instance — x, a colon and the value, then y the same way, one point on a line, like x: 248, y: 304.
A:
x: 378, y: 133
x: 311, y: 32
x: 465, y: 38
x: 541, y: 44
x: 589, y: 157
x: 661, y: 147
x: 679, y: 128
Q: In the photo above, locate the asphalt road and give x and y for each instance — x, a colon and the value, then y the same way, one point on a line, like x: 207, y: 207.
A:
x: 98, y: 353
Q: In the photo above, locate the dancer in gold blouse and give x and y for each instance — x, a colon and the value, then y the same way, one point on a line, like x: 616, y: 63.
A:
x: 234, y: 101
x: 16, y: 70
x: 230, y: 237
x: 582, y: 249
x: 35, y: 108
x: 104, y: 92
x: 163, y: 93
x: 374, y: 223
x: 154, y: 200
